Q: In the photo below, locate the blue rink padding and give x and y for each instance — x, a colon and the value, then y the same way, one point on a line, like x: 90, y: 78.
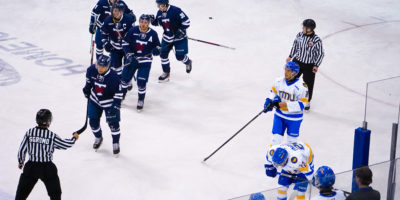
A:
x: 5, y: 196
x: 360, y: 152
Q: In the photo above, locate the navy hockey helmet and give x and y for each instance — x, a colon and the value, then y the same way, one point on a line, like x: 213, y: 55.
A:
x: 293, y: 66
x: 144, y: 17
x: 166, y: 2
x: 257, y: 196
x: 119, y: 5
x: 280, y: 156
x: 324, y: 177
x: 309, y: 23
x: 103, y: 61
x: 44, y: 117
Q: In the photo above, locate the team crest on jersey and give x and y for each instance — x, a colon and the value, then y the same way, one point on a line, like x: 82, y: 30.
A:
x: 100, y: 78
x: 142, y: 36
x: 164, y: 14
x: 293, y: 160
x: 271, y: 153
x: 310, y: 44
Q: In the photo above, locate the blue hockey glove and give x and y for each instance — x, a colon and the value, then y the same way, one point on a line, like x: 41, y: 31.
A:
x: 267, y: 105
x: 86, y: 91
x: 108, y: 46
x: 112, y: 114
x: 130, y: 59
x: 92, y: 28
x: 156, y: 51
x: 276, y: 102
x: 180, y: 33
x: 270, y: 170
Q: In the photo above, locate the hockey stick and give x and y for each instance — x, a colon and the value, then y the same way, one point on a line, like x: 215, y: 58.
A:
x: 91, y: 49
x: 309, y: 182
x: 86, y: 120
x: 205, y: 159
x: 211, y: 43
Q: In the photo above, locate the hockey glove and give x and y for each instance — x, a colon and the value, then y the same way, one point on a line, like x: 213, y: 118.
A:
x: 270, y: 170
x: 157, y: 51
x: 108, y: 46
x: 86, y: 91
x: 131, y: 60
x: 180, y: 33
x: 152, y: 18
x: 112, y: 114
x: 276, y: 102
x: 92, y: 28
x: 267, y: 105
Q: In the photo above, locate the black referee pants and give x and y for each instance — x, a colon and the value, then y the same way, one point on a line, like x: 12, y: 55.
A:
x: 47, y: 172
x: 308, y: 76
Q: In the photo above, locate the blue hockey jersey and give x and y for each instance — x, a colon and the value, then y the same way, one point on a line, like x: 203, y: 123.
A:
x: 141, y: 44
x: 114, y: 32
x: 172, y: 20
x: 103, y: 9
x: 105, y: 89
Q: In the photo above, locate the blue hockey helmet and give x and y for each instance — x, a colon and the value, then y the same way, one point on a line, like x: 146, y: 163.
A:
x: 118, y: 5
x: 144, y: 17
x: 257, y: 196
x: 293, y: 66
x: 166, y: 2
x: 103, y: 61
x: 280, y: 156
x: 324, y: 177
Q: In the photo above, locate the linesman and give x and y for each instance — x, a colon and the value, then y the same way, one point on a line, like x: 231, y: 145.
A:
x: 39, y: 142
x: 307, y: 50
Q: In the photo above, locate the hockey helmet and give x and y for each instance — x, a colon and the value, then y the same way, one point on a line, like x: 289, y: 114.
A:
x: 103, y: 61
x: 44, y: 117
x: 257, y: 196
x: 324, y: 177
x: 280, y: 156
x: 166, y: 2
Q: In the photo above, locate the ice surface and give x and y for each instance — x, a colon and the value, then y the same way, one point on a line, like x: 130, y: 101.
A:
x: 186, y: 119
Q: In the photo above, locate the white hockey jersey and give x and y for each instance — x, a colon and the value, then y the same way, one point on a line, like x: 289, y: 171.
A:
x: 339, y: 195
x: 295, y: 94
x: 300, y: 158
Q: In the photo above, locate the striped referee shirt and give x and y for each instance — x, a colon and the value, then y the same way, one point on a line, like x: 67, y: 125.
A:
x: 40, y: 144
x: 307, y: 49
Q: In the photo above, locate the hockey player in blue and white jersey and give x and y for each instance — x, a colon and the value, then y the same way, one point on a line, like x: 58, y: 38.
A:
x: 175, y: 23
x: 296, y: 161
x: 114, y: 29
x: 104, y: 92
x: 324, y: 178
x: 289, y: 96
x: 139, y: 44
x: 99, y: 13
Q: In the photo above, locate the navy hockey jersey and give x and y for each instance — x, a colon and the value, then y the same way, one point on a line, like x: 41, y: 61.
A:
x: 141, y: 44
x: 114, y: 32
x: 105, y: 89
x: 103, y: 9
x: 172, y: 20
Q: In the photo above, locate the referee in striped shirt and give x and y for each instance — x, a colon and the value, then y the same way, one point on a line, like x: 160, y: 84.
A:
x: 307, y: 50
x: 39, y: 142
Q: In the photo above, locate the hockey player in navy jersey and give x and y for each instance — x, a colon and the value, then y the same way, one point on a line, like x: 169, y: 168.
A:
x: 174, y: 22
x: 104, y: 93
x: 99, y: 13
x: 139, y: 44
x: 289, y: 96
x: 114, y: 29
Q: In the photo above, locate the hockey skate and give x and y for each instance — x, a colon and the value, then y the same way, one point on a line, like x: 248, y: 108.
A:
x: 139, y: 106
x: 164, y: 77
x: 116, y: 149
x: 307, y: 107
x: 97, y: 143
x: 189, y: 67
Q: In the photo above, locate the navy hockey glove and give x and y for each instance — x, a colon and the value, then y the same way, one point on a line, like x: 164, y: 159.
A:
x: 86, y: 91
x: 152, y: 18
x: 157, y: 51
x: 108, y: 46
x: 276, y: 102
x: 92, y: 28
x: 112, y: 114
x: 267, y: 105
x: 130, y: 59
x: 270, y: 170
x: 180, y: 33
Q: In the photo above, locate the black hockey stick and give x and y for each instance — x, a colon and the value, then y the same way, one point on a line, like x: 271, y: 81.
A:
x: 310, y: 182
x: 211, y: 43
x: 86, y: 120
x: 205, y: 159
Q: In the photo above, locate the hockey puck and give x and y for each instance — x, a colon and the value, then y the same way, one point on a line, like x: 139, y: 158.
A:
x: 209, y: 17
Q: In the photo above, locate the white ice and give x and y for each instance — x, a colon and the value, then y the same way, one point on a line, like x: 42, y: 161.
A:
x: 185, y: 119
